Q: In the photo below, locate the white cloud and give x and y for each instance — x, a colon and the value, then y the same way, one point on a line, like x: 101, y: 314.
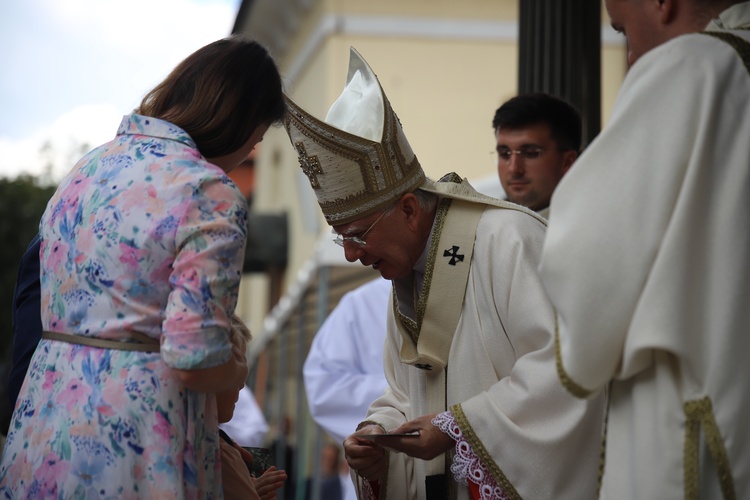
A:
x: 139, y: 25
x: 59, y: 143
x: 72, y: 68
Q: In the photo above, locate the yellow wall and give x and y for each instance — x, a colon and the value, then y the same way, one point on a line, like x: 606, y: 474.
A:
x: 444, y: 89
x: 452, y: 9
x: 614, y: 67
x: 445, y: 94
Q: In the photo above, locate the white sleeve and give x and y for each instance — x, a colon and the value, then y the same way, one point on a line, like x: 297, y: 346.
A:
x: 248, y: 426
x: 343, y: 372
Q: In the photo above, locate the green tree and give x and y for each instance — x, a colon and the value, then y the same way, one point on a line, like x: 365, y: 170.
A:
x: 22, y: 203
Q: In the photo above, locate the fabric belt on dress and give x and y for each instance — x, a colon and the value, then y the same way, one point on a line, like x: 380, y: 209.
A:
x: 140, y: 342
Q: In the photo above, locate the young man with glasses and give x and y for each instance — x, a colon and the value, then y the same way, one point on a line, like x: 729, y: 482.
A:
x: 469, y: 353
x: 538, y: 139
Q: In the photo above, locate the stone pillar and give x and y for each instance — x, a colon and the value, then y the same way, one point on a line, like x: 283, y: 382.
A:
x: 559, y: 53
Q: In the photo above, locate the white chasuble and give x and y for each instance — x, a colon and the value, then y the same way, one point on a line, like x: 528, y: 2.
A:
x: 647, y: 261
x: 536, y: 440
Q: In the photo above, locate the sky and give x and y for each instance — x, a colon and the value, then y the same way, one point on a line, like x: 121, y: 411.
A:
x: 70, y: 69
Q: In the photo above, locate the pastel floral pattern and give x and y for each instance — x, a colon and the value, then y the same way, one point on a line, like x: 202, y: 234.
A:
x: 142, y: 235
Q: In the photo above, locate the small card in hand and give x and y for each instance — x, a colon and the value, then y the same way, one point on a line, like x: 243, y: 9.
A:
x: 262, y: 460
x: 379, y: 438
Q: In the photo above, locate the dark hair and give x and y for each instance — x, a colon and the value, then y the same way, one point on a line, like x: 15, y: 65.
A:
x: 529, y: 109
x: 219, y: 95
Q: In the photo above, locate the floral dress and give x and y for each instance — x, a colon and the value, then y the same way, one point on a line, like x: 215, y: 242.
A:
x: 142, y: 235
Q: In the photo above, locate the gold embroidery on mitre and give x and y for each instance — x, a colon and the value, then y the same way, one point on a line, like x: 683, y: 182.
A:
x: 310, y: 165
x: 358, y: 176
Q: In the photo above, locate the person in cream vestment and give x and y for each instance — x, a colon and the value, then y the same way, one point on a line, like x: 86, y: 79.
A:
x: 647, y: 257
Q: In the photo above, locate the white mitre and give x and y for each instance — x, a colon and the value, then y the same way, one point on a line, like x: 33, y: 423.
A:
x: 358, y: 160
x: 359, y: 109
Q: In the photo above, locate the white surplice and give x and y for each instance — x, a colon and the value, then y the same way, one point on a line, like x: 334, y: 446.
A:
x: 647, y: 261
x: 343, y: 371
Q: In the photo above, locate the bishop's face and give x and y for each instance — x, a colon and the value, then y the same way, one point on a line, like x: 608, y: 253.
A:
x: 391, y: 246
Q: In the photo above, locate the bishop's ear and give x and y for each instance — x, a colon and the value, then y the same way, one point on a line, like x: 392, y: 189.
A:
x: 409, y: 207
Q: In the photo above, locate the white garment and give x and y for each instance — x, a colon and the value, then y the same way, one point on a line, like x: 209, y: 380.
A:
x: 647, y: 261
x: 501, y: 383
x: 343, y: 371
x: 248, y: 426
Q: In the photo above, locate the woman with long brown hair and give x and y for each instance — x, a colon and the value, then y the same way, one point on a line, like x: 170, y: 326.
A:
x: 141, y: 257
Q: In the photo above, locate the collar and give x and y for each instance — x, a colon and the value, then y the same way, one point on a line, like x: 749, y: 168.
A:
x: 135, y: 124
x: 736, y: 16
x: 421, y: 263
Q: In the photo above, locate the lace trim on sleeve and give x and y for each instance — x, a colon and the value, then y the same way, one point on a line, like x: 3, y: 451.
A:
x: 466, y: 465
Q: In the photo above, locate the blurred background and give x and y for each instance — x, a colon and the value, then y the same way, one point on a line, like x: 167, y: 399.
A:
x: 72, y: 68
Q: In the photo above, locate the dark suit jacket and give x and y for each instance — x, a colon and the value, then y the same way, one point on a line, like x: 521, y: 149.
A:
x: 27, y: 324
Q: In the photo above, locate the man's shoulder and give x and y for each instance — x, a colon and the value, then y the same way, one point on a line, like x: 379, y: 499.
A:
x: 512, y: 215
x: 683, y: 70
x: 507, y: 225
x: 503, y: 209
x: 698, y: 53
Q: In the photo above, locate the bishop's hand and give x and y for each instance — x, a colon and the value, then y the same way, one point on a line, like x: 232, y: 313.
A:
x: 428, y: 443
x: 365, y: 456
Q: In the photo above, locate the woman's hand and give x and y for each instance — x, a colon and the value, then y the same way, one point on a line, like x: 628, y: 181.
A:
x: 225, y: 377
x: 267, y: 484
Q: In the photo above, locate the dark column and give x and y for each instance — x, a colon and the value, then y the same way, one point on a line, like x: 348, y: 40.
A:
x: 559, y: 53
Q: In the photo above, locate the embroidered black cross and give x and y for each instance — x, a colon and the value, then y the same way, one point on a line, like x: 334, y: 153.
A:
x: 423, y: 367
x: 310, y: 165
x: 453, y: 254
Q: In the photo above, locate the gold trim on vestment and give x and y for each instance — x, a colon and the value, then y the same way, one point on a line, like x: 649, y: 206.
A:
x: 365, y: 423
x: 424, y: 294
x: 699, y: 413
x: 447, y: 269
x: 439, y: 223
x: 739, y: 44
x: 567, y: 382
x: 411, y: 326
x: 481, y: 452
x: 383, y: 482
x: 699, y: 416
x: 603, y: 447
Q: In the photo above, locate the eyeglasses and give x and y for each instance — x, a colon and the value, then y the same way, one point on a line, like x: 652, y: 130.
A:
x: 526, y: 153
x: 357, y: 240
